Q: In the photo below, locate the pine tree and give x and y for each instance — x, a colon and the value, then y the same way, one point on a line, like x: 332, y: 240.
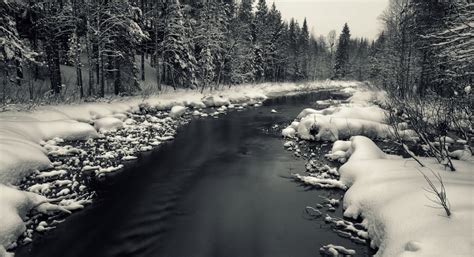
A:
x: 14, y: 53
x: 303, y: 46
x: 260, y: 40
x: 341, y: 67
x: 209, y: 41
x: 179, y: 60
x: 276, y: 45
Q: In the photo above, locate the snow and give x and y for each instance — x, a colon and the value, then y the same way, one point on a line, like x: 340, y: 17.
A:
x: 358, y: 117
x: 289, y: 132
x: 320, y: 182
x: 53, y: 173
x: 15, y: 205
x: 389, y: 192
x: 336, y: 250
x: 108, y: 124
x: 28, y: 139
x: 177, y: 111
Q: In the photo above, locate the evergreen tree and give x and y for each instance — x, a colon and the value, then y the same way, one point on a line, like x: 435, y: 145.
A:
x: 341, y: 67
x: 178, y: 56
x: 303, y: 46
x: 261, y: 40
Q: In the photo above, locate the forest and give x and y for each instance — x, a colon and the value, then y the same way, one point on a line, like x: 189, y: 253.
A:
x: 94, y: 48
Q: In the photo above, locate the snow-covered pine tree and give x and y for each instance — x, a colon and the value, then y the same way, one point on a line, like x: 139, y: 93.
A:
x: 341, y: 66
x: 209, y: 41
x: 261, y: 40
x: 244, y: 64
x: 178, y: 56
x: 115, y: 35
x: 303, y: 48
x: 293, y: 53
x: 276, y: 45
x: 14, y: 53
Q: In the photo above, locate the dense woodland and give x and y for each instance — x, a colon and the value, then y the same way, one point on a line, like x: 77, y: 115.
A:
x: 106, y: 45
x: 92, y: 48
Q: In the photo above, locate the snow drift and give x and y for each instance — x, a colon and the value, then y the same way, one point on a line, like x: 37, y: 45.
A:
x: 388, y: 193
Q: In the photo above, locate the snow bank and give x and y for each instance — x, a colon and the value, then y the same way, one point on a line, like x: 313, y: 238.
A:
x: 15, y: 206
x: 388, y: 193
x: 358, y: 117
x: 20, y: 144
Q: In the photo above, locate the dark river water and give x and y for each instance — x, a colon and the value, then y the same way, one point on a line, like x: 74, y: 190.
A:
x: 220, y: 189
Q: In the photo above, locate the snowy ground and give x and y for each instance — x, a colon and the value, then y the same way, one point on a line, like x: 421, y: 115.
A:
x: 50, y: 154
x: 387, y: 192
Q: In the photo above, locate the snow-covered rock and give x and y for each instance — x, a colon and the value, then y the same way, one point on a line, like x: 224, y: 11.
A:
x: 177, y: 111
x: 215, y: 101
x: 108, y: 124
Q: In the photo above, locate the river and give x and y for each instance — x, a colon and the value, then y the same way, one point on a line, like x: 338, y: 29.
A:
x: 220, y: 189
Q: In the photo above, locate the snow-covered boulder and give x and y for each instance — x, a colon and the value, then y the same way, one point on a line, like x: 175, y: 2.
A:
x: 196, y: 104
x: 215, y: 101
x: 288, y: 132
x: 177, y: 111
x: 108, y: 124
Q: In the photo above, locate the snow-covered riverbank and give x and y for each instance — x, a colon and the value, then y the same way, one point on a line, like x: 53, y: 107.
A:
x: 389, y: 193
x: 43, y: 145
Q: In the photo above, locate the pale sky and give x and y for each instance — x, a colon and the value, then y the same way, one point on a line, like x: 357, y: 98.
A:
x: 326, y: 15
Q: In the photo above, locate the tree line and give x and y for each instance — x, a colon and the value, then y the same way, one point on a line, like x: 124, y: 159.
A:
x: 426, y: 47
x: 107, y: 45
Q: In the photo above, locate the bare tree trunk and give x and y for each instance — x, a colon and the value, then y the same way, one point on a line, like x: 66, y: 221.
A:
x: 89, y: 49
x: 102, y: 75
x: 142, y: 6
x: 117, y: 82
x: 53, y: 65
x: 77, y: 53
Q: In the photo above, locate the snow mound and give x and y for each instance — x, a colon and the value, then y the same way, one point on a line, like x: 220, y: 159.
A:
x: 355, y: 118
x: 215, y: 101
x: 108, y: 124
x: 177, y: 111
x: 15, y: 206
x: 389, y: 195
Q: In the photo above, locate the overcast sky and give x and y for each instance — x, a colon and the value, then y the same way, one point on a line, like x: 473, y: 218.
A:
x: 325, y: 15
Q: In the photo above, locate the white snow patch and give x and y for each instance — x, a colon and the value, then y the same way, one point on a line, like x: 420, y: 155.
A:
x: 177, y: 111
x: 108, y: 124
x: 389, y: 195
